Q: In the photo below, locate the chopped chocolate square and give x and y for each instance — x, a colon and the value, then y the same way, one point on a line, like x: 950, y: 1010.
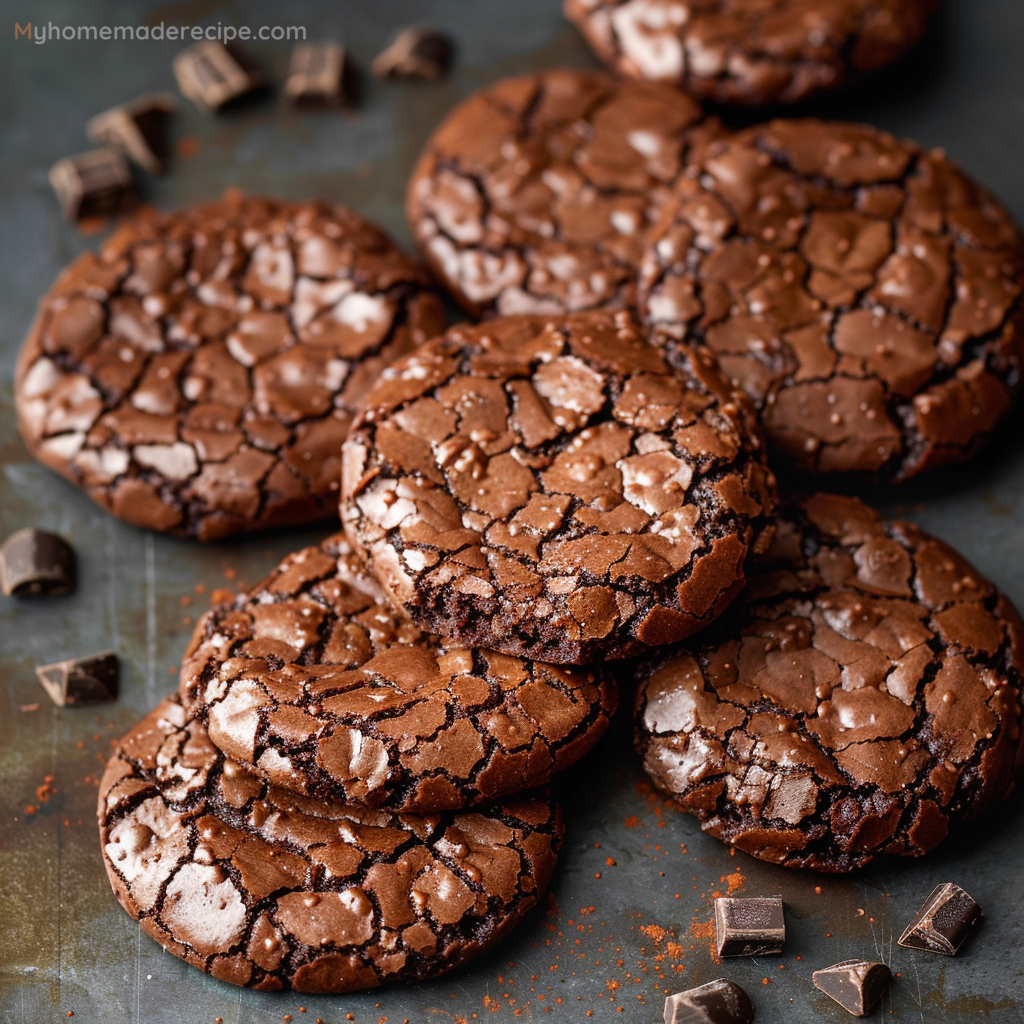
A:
x: 717, y: 1002
x: 749, y: 927
x: 35, y: 562
x: 414, y: 53
x: 856, y: 985
x: 91, y: 680
x: 944, y: 922
x: 137, y: 129
x: 94, y: 184
x: 212, y: 74
x: 319, y: 76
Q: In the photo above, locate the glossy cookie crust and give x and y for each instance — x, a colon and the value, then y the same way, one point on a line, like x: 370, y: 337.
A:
x: 199, y: 373
x: 863, y: 695
x: 535, y: 195
x: 750, y: 52
x: 867, y: 295
x: 314, y: 681
x: 554, y: 488
x: 263, y: 888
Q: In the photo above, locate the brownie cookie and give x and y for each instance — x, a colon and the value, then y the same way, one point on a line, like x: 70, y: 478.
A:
x: 866, y: 294
x: 314, y: 681
x: 534, y: 196
x: 863, y: 694
x: 750, y: 51
x: 263, y: 888
x: 199, y: 374
x: 554, y: 488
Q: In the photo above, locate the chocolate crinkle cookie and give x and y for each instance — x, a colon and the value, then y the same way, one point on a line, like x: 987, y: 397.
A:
x: 862, y: 695
x: 314, y: 681
x: 199, y: 373
x: 535, y: 195
x: 554, y: 488
x: 260, y: 887
x: 866, y: 294
x: 750, y: 52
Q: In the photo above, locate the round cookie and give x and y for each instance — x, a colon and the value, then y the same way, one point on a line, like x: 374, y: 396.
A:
x: 554, y: 488
x: 865, y: 294
x: 535, y: 194
x: 199, y: 373
x: 263, y: 888
x: 750, y: 51
x: 861, y: 696
x: 314, y: 681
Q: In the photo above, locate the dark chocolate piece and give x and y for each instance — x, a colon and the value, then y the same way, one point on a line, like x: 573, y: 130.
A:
x: 717, y: 1002
x: 94, y: 184
x: 319, y: 76
x: 945, y: 921
x: 35, y: 562
x: 859, y: 698
x: 856, y: 985
x: 91, y: 680
x: 261, y: 887
x: 414, y: 53
x: 751, y: 926
x: 213, y: 74
x: 137, y: 129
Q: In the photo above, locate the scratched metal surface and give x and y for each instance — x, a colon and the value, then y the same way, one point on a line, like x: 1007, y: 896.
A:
x: 615, y: 936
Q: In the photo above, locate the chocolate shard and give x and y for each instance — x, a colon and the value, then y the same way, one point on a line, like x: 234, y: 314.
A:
x: 414, y: 53
x: 320, y: 75
x: 856, y: 985
x: 33, y: 562
x: 94, y: 184
x: 91, y: 680
x: 717, y: 1002
x: 137, y: 129
x: 213, y: 74
x: 749, y: 927
x: 944, y: 922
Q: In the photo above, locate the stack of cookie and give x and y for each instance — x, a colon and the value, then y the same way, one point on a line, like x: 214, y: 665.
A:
x: 349, y: 787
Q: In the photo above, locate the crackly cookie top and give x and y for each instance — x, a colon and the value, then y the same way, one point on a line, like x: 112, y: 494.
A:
x: 317, y: 683
x: 553, y: 487
x: 750, y: 51
x: 863, y: 693
x: 866, y: 294
x: 260, y: 887
x: 199, y: 373
x: 535, y: 194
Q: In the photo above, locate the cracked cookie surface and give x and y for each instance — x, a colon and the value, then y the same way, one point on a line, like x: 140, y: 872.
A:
x: 314, y: 681
x: 864, y: 293
x: 534, y: 195
x: 260, y: 887
x: 861, y: 696
x: 554, y: 488
x: 199, y: 373
x: 750, y: 51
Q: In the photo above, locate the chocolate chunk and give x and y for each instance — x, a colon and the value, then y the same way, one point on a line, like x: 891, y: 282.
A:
x: 751, y: 926
x: 94, y: 184
x: 856, y: 985
x: 91, y: 680
x: 319, y: 76
x: 137, y: 129
x: 213, y: 74
x: 35, y: 562
x: 261, y: 887
x: 717, y: 1002
x: 945, y: 921
x: 414, y: 53
x: 857, y: 699
x: 754, y: 51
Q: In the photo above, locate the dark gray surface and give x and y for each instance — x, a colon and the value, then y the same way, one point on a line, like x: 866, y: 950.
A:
x: 65, y: 944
